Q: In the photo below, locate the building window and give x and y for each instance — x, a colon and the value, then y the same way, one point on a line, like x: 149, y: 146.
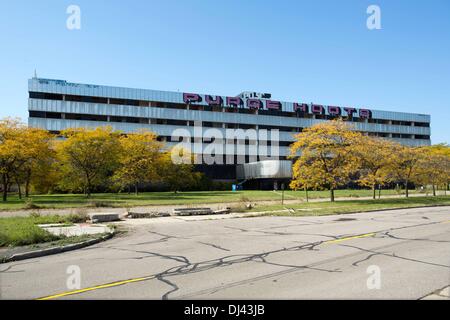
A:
x: 46, y: 96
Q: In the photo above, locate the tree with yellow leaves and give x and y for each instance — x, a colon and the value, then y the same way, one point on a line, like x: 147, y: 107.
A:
x: 23, y: 151
x: 304, y: 178
x: 177, y: 169
x: 326, y: 155
x: 139, y: 159
x: 37, y: 156
x: 403, y: 164
x: 443, y: 149
x: 87, y: 157
x: 372, y: 158
x: 11, y: 149
x: 433, y: 168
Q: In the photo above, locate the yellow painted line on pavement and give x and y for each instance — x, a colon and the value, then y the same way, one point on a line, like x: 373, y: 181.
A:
x: 119, y: 283
x: 350, y: 238
x: 362, y: 236
x: 103, y: 286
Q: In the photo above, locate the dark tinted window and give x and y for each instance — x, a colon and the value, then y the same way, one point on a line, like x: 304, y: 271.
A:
x: 44, y: 95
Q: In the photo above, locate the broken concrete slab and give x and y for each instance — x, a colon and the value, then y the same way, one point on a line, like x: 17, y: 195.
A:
x: 191, y: 211
x: 78, y: 229
x: 144, y: 215
x: 104, y: 217
x: 222, y: 211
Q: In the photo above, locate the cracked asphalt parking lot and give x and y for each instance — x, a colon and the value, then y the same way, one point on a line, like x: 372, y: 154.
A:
x: 252, y: 258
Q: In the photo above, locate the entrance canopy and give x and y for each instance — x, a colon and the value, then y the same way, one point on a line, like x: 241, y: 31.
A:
x: 266, y: 169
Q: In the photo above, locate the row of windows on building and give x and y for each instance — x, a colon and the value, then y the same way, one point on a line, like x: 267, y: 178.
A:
x: 135, y: 120
x: 141, y: 103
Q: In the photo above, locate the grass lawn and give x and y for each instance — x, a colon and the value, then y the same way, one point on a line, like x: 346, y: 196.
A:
x: 20, y: 231
x: 351, y: 206
x: 162, y: 198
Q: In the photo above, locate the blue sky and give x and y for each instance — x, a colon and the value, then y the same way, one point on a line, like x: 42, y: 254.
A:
x: 308, y: 51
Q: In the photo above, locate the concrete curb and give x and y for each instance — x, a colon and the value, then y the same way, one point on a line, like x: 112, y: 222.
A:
x: 55, y: 250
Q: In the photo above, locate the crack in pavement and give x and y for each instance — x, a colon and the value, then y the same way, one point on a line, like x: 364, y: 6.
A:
x: 15, y: 265
x: 214, y: 246
x: 356, y: 263
x: 187, y: 267
x: 389, y: 235
x: 393, y: 255
x: 221, y: 262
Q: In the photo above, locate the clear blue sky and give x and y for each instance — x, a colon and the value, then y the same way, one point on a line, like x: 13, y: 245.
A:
x: 308, y: 51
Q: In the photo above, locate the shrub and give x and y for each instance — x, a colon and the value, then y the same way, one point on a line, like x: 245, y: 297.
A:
x: 30, y: 205
x: 77, y: 217
x: 22, y: 231
x: 98, y: 204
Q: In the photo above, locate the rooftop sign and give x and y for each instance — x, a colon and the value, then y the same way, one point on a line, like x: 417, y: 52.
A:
x: 265, y: 104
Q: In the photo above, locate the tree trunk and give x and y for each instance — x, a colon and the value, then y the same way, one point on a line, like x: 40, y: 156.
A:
x: 374, y: 189
x: 27, y: 188
x: 332, y: 195
x: 5, y: 187
x: 379, y: 191
x: 19, y: 189
x: 88, y: 190
x: 306, y: 193
x: 136, y: 189
x: 27, y: 184
x: 406, y: 189
x: 434, y: 190
x: 88, y: 186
